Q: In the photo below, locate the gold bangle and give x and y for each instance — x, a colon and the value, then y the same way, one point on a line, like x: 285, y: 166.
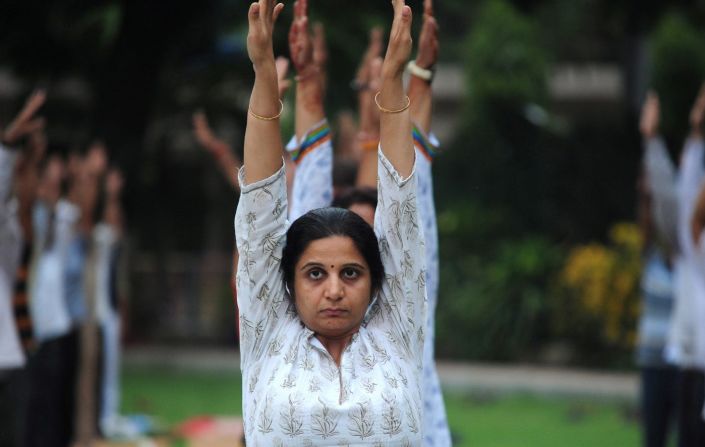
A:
x: 269, y: 118
x: 383, y: 110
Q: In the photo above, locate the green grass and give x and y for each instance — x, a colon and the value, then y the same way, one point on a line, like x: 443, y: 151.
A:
x: 477, y: 420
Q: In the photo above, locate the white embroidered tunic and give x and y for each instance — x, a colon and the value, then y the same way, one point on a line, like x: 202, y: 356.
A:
x: 293, y: 392
x: 313, y: 185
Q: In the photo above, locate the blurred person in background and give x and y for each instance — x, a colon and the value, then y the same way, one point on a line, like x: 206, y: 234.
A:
x: 107, y: 236
x: 688, y: 317
x: 15, y: 177
x: 657, y: 207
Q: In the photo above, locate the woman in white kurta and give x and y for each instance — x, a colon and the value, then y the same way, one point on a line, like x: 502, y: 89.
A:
x: 313, y: 375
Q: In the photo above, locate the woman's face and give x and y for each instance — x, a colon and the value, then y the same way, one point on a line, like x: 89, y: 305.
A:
x: 332, y: 287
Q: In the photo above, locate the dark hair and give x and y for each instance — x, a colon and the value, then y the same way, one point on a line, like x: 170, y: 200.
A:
x: 344, y: 173
x: 354, y: 196
x: 326, y: 222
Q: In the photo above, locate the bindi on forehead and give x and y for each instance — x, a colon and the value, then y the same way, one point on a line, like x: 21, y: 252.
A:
x: 332, y: 266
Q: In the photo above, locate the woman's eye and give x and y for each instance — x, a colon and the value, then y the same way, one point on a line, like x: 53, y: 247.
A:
x: 350, y: 273
x: 315, y: 274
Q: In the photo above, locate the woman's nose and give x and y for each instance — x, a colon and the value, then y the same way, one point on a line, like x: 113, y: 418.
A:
x: 335, y: 290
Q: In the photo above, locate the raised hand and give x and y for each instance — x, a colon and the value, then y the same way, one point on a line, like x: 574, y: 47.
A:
x: 374, y: 50
x: 650, y: 113
x: 263, y: 145
x: 96, y: 161
x: 219, y: 149
x: 696, y: 113
x: 395, y: 123
x: 205, y: 136
x: 25, y: 122
x: 114, y: 183
x: 261, y: 18
x: 300, y: 42
x: 428, y: 39
x: 369, y: 113
x: 320, y: 48
x: 399, y: 47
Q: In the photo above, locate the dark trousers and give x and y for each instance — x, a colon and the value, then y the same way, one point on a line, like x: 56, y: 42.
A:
x: 691, y: 395
x: 52, y: 392
x: 14, y: 396
x: 659, y: 392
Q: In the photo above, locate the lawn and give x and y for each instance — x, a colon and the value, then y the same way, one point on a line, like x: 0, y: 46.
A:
x: 477, y: 420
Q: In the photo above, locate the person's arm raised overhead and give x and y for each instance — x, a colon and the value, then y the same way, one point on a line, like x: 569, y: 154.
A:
x: 401, y: 300
x: 263, y: 144
x: 421, y: 70
x: 309, y: 82
x: 368, y: 83
x: 396, y: 140
x: 24, y: 124
x: 221, y: 151
x: 313, y: 151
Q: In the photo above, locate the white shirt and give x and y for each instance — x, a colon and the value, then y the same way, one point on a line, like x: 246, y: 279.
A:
x: 293, y: 392
x: 47, y: 291
x: 11, y: 354
x: 104, y: 240
x: 313, y: 179
x: 688, y: 320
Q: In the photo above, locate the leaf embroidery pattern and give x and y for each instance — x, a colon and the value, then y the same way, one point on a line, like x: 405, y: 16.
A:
x: 307, y: 363
x: 314, y: 385
x: 264, y: 424
x: 421, y: 281
x: 395, y: 214
x: 278, y: 208
x: 275, y: 347
x: 289, y: 381
x: 251, y: 220
x: 391, y: 422
x: 384, y: 247
x: 263, y: 293
x: 382, y: 353
x: 270, y: 243
x: 395, y: 288
x: 407, y: 264
x: 369, y: 362
x: 254, y: 378
x: 290, y: 356
x: 402, y: 376
x: 324, y: 422
x: 273, y: 376
x: 291, y: 422
x: 412, y: 422
x: 369, y: 386
x: 247, y: 327
x: 361, y: 422
x: 391, y: 380
x: 408, y: 208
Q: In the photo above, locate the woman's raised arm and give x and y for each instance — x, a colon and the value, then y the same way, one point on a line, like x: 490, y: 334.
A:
x: 263, y: 144
x: 395, y: 123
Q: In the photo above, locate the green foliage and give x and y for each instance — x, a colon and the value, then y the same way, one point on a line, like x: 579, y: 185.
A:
x: 506, y: 62
x: 492, y: 302
x: 678, y: 59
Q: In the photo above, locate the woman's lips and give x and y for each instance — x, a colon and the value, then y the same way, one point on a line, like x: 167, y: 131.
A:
x: 333, y: 312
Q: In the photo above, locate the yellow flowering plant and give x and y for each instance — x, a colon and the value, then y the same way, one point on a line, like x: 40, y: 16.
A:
x: 602, y: 281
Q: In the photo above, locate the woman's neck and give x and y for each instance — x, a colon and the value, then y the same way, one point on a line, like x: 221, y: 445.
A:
x: 335, y: 345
